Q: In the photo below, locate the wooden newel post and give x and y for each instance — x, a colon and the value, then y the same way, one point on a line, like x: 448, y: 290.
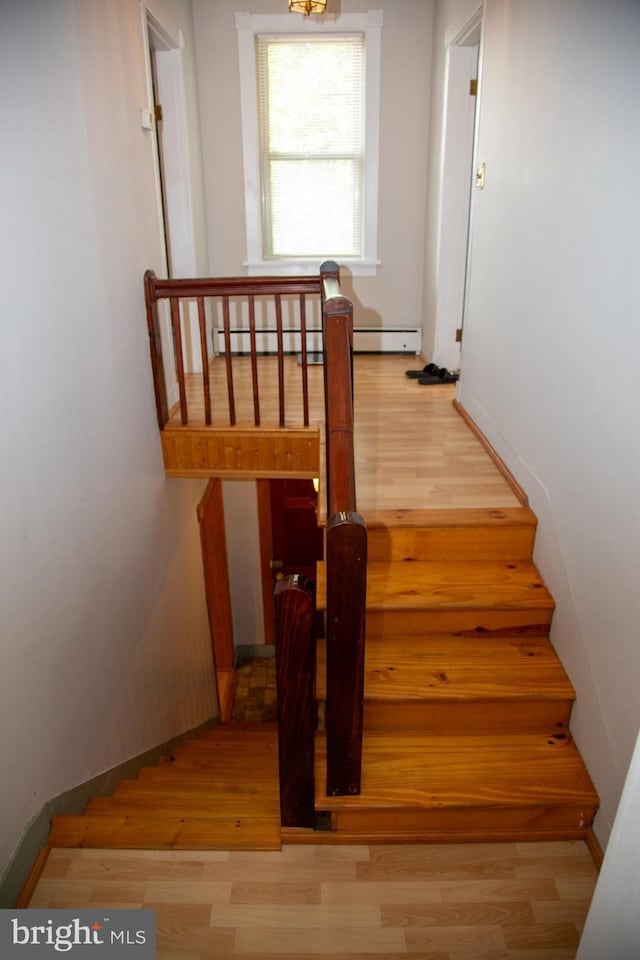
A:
x: 295, y: 677
x: 345, y: 632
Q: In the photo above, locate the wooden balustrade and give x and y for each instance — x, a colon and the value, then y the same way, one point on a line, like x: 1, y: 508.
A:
x: 217, y: 295
x: 346, y: 536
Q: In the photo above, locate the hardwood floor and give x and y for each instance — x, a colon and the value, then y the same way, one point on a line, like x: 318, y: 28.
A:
x: 498, y: 901
x: 413, y: 450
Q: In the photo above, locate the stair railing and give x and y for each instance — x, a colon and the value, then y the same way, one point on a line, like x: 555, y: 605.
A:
x: 233, y: 305
x: 346, y: 561
x: 346, y: 548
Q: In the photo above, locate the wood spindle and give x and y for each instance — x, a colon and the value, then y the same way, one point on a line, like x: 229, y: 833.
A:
x: 254, y: 360
x: 204, y: 353
x: 177, y: 337
x: 295, y: 677
x: 303, y: 356
x: 278, y: 301
x: 227, y: 356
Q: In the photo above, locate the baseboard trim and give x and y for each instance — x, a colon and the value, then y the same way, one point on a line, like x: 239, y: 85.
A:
x: 251, y: 650
x: 596, y: 851
x: 29, y: 859
x: 32, y: 880
x: 499, y: 462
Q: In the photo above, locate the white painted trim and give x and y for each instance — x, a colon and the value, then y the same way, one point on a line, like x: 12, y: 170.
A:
x: 365, y: 340
x: 248, y: 26
x: 459, y: 32
x: 177, y: 169
x: 308, y: 268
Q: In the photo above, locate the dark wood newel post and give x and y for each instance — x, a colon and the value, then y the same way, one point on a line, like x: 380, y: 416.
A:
x: 346, y: 554
x: 345, y: 628
x: 295, y: 677
x: 155, y: 348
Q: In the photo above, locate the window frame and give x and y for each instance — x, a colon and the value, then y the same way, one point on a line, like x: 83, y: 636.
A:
x: 249, y: 26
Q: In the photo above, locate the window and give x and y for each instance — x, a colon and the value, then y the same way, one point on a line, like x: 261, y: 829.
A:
x: 310, y: 104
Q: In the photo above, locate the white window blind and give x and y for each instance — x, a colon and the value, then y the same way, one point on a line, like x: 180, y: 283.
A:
x: 311, y: 132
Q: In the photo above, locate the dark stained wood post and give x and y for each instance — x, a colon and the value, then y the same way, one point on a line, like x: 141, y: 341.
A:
x: 204, y: 353
x: 155, y: 348
x: 346, y: 555
x: 177, y: 337
x: 295, y: 677
x: 345, y: 626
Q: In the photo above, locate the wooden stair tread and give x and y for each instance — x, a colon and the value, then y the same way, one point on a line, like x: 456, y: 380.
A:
x: 447, y: 668
x: 414, y: 771
x: 151, y: 831
x: 425, y: 585
x: 219, y: 791
x: 257, y: 806
x: 223, y: 790
x: 478, y: 517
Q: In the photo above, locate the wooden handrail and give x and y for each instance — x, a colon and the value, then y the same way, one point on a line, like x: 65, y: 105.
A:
x: 346, y: 553
x: 178, y: 292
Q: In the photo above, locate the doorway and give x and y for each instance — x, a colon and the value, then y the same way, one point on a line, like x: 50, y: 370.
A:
x: 462, y: 70
x: 172, y: 167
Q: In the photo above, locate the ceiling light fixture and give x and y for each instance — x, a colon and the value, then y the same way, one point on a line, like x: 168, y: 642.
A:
x: 307, y: 6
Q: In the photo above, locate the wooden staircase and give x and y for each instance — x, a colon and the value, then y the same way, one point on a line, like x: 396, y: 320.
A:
x: 467, y: 706
x: 466, y: 721
x: 220, y: 791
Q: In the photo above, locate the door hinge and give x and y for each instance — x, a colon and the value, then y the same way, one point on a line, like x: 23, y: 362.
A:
x: 473, y: 88
x: 276, y: 564
x: 459, y: 335
x: 157, y: 109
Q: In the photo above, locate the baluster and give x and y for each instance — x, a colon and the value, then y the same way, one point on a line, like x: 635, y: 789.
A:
x: 254, y: 359
x: 303, y: 353
x: 278, y: 300
x: 205, y: 361
x: 177, y: 336
x: 227, y: 357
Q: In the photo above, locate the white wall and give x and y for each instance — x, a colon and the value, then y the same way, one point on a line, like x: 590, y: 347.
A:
x: 105, y: 646
x: 394, y: 297
x: 243, y: 556
x: 612, y: 929
x: 552, y: 339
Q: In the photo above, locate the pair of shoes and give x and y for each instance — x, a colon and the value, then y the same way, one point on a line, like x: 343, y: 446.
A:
x: 430, y: 370
x: 442, y: 376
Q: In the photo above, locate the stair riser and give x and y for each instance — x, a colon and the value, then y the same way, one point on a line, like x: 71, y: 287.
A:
x: 450, y: 543
x: 463, y: 824
x: 467, y: 717
x: 461, y: 621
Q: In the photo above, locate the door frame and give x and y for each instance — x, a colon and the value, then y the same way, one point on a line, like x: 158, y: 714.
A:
x: 459, y: 133
x: 161, y: 38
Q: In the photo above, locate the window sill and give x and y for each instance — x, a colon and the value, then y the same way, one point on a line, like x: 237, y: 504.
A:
x: 287, y: 268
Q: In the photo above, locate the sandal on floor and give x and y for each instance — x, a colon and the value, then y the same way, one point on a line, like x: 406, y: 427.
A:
x: 430, y: 370
x: 443, y: 376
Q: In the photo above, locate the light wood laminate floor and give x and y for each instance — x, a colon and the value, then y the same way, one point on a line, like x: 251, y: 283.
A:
x: 413, y: 450
x: 500, y: 901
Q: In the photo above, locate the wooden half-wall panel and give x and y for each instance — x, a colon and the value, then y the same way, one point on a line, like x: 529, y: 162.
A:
x: 239, y: 452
